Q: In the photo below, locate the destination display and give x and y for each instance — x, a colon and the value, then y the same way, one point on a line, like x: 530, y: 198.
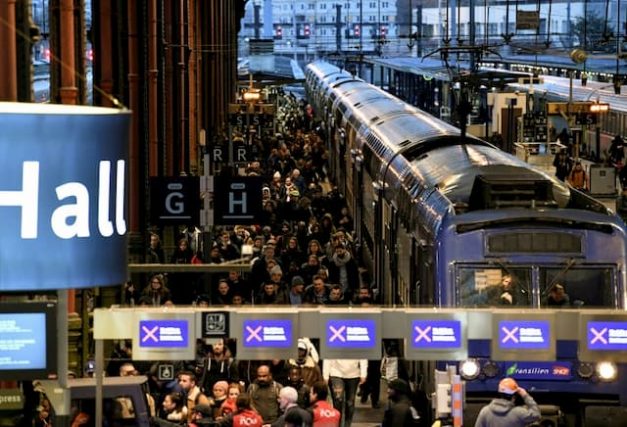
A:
x: 269, y: 333
x: 351, y: 333
x: 28, y: 343
x: 22, y: 341
x: 436, y: 334
x: 524, y: 334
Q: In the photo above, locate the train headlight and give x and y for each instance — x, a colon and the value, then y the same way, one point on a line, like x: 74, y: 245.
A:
x: 469, y: 369
x: 585, y: 370
x: 607, y: 371
x: 490, y: 369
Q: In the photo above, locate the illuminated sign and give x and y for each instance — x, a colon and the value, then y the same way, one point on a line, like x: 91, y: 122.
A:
x: 559, y: 371
x: 22, y: 341
x: 351, y: 333
x: 606, y: 335
x: 62, y: 196
x: 163, y: 333
x: 267, y: 333
x: 524, y: 334
x: 430, y: 334
x: 28, y: 342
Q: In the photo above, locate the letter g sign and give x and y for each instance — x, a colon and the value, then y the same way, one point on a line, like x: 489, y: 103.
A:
x: 174, y: 203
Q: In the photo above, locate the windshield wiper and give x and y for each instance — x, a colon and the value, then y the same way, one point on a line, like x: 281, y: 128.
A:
x: 558, y: 276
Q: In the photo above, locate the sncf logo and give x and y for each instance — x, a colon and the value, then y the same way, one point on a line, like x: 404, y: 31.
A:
x: 561, y: 370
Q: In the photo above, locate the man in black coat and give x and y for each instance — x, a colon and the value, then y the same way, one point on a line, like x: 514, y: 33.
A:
x: 400, y: 411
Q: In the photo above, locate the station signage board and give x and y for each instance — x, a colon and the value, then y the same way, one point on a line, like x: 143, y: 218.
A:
x: 264, y: 335
x: 267, y: 333
x: 436, y: 336
x: 164, y: 336
x: 350, y: 335
x: 520, y: 336
x: 603, y: 336
x: 63, y: 172
x: 214, y: 324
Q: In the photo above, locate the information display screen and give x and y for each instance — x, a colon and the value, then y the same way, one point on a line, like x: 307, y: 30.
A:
x: 27, y: 341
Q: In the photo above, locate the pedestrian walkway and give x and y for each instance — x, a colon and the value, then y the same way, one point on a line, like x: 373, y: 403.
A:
x: 365, y: 415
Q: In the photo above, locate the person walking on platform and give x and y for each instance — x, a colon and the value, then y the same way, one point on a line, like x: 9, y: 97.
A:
x: 578, y: 177
x: 344, y: 377
x: 503, y: 412
x: 324, y: 415
x: 400, y: 411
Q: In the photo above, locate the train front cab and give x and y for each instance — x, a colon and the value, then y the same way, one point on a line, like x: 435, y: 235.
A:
x: 593, y: 278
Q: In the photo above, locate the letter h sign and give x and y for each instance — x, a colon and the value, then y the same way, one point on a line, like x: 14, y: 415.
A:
x: 237, y: 200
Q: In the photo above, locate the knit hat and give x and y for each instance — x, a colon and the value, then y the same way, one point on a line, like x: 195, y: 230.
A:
x: 508, y: 386
x: 297, y: 280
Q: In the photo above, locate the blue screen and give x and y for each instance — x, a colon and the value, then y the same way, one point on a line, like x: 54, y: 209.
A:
x: 267, y: 333
x: 607, y: 335
x: 351, y: 333
x: 163, y: 333
x: 22, y: 341
x: 436, y: 334
x: 524, y: 334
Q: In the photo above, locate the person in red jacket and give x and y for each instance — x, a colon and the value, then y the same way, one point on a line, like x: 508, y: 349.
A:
x: 324, y: 414
x: 244, y: 416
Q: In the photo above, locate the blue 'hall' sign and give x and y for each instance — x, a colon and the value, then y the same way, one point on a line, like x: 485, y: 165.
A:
x: 606, y: 335
x: 267, y: 333
x: 351, y: 333
x: 524, y: 334
x: 164, y: 333
x: 63, y: 172
x: 436, y: 334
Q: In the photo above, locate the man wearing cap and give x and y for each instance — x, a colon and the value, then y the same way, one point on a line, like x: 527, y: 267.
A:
x: 503, y: 412
x: 400, y: 411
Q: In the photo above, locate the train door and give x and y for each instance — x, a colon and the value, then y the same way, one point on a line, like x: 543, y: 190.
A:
x: 387, y: 262
x: 403, y: 255
x: 339, y: 160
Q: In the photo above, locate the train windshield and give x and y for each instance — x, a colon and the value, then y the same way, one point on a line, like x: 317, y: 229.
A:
x: 557, y: 287
x: 576, y: 288
x: 488, y: 287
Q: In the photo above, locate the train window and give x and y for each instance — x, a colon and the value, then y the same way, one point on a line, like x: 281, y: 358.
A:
x: 576, y: 288
x: 489, y: 287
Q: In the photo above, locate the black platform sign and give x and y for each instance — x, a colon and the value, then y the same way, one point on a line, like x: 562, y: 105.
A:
x: 215, y: 324
x: 237, y: 200
x: 175, y: 200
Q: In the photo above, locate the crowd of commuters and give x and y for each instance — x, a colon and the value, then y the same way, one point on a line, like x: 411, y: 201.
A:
x: 303, y: 253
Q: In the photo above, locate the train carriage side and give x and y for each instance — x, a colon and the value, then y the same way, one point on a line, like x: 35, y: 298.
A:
x: 447, y: 219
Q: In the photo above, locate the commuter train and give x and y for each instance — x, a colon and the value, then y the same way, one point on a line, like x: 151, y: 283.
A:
x: 442, y: 215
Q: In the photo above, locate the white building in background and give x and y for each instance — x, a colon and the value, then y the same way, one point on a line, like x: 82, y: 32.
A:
x: 310, y: 27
